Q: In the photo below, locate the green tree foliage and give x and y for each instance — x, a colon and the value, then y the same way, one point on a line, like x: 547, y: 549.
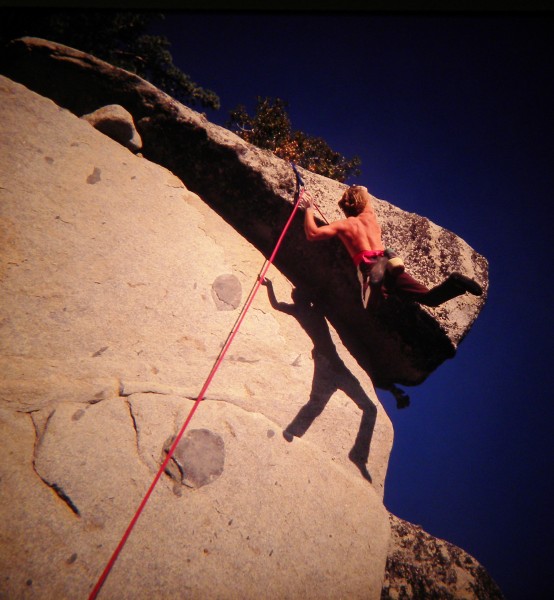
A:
x: 118, y: 37
x: 271, y: 128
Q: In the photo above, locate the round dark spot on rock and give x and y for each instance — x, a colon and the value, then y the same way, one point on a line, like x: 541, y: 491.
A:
x: 270, y: 433
x: 226, y: 292
x: 72, y: 558
x: 29, y: 582
x: 199, y: 458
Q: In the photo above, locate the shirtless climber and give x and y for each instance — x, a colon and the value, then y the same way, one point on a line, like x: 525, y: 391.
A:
x: 379, y: 269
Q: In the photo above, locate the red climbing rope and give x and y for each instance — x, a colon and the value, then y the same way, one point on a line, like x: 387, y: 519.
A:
x: 321, y: 214
x: 261, y: 277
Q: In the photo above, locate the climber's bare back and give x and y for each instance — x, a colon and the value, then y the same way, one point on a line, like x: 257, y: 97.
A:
x: 361, y: 233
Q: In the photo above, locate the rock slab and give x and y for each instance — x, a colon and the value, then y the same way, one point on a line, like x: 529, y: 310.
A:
x: 108, y: 329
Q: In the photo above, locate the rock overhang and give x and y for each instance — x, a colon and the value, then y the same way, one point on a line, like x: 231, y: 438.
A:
x: 254, y: 191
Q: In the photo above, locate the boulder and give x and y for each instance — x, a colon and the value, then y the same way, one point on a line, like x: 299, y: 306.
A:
x: 117, y: 123
x: 254, y: 192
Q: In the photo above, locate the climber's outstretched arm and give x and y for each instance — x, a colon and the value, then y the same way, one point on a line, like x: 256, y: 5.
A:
x: 315, y: 233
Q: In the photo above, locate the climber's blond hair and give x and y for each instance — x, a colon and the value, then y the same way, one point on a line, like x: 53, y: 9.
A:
x: 354, y: 200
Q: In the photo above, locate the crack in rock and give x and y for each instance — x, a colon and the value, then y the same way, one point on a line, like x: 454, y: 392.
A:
x: 130, y: 388
x: 61, y: 493
x: 137, y: 433
x: 40, y: 427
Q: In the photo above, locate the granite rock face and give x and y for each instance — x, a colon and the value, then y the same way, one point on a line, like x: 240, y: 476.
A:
x: 108, y: 329
x: 119, y: 286
x: 253, y: 191
x: 420, y: 566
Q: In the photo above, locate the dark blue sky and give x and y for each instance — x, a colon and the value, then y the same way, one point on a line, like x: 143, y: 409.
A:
x: 452, y: 118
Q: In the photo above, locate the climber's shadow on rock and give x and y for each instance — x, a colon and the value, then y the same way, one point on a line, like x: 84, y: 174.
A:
x: 330, y: 375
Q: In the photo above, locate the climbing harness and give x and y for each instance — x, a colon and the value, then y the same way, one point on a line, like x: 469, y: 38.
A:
x: 300, y: 190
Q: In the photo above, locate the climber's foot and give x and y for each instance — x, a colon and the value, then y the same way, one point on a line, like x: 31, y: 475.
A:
x: 467, y: 284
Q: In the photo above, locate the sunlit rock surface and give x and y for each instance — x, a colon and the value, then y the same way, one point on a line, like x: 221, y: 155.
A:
x: 109, y: 326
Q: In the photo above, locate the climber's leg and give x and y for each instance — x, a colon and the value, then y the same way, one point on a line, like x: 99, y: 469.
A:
x: 456, y: 284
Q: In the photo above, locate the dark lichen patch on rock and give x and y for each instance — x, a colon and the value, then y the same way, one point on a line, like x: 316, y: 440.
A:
x: 199, y: 458
x: 226, y: 292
